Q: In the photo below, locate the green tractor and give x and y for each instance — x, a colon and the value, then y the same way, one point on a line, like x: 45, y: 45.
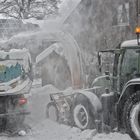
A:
x: 117, y: 107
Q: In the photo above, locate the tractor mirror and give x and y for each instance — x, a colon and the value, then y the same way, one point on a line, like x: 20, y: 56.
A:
x: 99, y: 62
x: 107, y: 75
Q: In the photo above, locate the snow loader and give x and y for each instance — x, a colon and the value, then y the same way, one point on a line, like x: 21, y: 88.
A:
x: 15, y: 84
x: 117, y: 107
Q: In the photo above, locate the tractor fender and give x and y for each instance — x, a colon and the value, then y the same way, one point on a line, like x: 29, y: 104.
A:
x: 130, y: 85
x: 93, y: 99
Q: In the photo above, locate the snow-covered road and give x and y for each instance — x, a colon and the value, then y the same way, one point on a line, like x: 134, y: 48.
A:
x: 48, y: 130
x: 43, y: 129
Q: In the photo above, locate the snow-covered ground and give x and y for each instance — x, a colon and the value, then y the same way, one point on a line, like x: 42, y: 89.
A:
x: 44, y: 129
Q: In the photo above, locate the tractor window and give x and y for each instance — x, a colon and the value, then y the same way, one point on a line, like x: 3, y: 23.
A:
x: 107, y: 62
x: 130, y: 65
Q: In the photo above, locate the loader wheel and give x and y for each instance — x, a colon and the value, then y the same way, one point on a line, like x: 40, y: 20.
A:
x: 82, y: 117
x: 131, y: 116
x: 52, y: 111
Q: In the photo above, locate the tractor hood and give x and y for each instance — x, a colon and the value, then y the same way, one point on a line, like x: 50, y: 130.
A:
x: 15, y: 67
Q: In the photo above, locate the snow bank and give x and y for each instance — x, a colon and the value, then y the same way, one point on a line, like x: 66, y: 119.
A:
x: 112, y: 136
x: 48, y: 89
x: 37, y: 83
x: 48, y: 130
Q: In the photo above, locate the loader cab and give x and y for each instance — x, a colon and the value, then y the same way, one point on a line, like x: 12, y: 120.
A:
x: 129, y: 63
x: 126, y: 64
x: 110, y: 70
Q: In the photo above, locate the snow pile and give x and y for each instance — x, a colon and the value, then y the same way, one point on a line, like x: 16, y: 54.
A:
x: 49, y: 89
x: 48, y: 130
x: 112, y: 136
x: 37, y: 83
x: 38, y: 101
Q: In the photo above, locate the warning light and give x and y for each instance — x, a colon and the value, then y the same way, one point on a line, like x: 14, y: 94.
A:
x: 137, y: 30
x: 22, y: 101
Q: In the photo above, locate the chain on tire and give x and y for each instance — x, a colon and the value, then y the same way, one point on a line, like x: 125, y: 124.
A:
x: 131, y: 115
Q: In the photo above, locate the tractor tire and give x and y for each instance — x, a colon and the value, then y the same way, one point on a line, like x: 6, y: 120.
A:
x: 82, y: 115
x: 55, y: 115
x: 131, y: 116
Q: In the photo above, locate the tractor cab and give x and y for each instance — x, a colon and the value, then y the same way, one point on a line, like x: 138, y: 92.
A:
x: 129, y: 63
x: 125, y: 65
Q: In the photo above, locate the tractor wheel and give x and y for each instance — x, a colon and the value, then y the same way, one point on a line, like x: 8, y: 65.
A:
x: 82, y: 116
x: 52, y: 111
x: 131, y: 116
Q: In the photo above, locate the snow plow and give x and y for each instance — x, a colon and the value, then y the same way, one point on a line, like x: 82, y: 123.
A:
x: 15, y: 82
x: 113, y: 106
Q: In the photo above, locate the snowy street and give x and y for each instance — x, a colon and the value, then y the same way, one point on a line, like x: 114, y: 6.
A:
x: 43, y: 129
x: 85, y: 53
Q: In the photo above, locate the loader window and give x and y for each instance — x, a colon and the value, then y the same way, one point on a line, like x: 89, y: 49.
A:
x: 107, y: 62
x: 130, y: 65
x: 8, y: 73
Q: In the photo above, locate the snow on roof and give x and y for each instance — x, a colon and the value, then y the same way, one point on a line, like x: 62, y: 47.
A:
x: 4, y: 17
x: 135, y: 80
x: 14, y: 53
x: 129, y: 43
x: 34, y: 21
